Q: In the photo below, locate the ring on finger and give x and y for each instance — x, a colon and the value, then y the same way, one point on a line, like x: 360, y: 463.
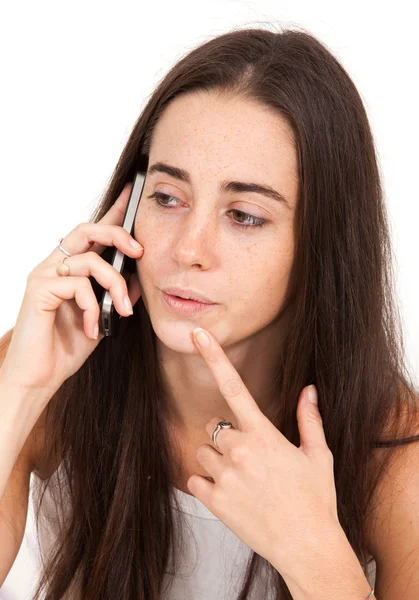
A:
x: 221, y: 425
x: 61, y: 248
x: 62, y: 269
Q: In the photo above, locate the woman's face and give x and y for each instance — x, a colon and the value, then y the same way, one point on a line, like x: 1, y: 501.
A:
x: 195, y: 238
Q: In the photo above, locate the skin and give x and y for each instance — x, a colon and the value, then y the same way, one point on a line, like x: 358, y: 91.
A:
x: 195, y: 244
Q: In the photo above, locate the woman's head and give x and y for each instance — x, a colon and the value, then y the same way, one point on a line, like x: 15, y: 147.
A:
x: 235, y: 247
x: 274, y: 108
x: 270, y: 108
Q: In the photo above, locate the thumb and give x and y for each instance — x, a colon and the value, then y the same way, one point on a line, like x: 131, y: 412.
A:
x: 310, y: 423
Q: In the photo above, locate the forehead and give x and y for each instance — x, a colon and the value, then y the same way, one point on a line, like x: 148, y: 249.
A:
x: 207, y: 133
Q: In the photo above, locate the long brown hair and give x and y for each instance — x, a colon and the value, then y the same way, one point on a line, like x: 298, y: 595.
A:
x: 106, y: 424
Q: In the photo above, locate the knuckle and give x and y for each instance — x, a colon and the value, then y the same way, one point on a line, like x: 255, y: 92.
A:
x: 213, y: 358
x: 329, y: 455
x: 117, y: 231
x: 84, y: 282
x: 31, y: 276
x: 30, y: 287
x: 81, y: 227
x: 238, y: 454
x: 93, y: 257
x: 226, y: 476
x: 200, y: 452
x: 231, y: 387
x: 83, y: 230
x: 124, y: 288
x: 38, y: 270
x: 34, y: 280
x: 315, y: 419
x: 96, y: 308
x: 326, y: 457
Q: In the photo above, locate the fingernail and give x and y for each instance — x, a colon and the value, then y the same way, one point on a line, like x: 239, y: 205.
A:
x: 135, y: 244
x: 96, y: 331
x: 312, y: 394
x: 128, y: 305
x: 201, y: 338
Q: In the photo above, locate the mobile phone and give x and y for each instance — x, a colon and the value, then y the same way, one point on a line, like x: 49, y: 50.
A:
x: 109, y: 318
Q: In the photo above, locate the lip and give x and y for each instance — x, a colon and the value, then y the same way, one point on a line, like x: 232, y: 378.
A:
x: 188, y: 295
x: 186, y: 307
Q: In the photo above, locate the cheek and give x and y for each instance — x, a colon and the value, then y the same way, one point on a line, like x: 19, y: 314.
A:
x: 142, y: 219
x: 148, y: 233
x: 260, y: 283
x: 150, y: 267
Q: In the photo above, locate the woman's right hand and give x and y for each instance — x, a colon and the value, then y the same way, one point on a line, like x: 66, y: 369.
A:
x: 54, y: 331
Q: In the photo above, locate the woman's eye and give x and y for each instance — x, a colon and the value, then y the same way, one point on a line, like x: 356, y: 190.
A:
x: 249, y: 220
x: 159, y: 197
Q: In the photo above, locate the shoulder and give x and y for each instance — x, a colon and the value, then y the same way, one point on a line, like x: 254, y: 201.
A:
x: 393, y: 522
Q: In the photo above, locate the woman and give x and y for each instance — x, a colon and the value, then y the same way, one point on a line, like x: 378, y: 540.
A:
x: 298, y: 281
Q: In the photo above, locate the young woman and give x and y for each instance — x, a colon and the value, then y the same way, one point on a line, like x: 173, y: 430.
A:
x: 262, y: 200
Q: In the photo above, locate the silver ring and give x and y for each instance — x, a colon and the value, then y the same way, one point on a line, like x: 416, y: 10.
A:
x: 61, y: 248
x: 221, y: 425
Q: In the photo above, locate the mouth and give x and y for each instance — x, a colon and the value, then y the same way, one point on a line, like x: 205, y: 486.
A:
x: 185, y: 306
x: 183, y: 294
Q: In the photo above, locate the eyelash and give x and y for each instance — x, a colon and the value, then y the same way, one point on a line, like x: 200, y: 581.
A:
x: 257, y: 222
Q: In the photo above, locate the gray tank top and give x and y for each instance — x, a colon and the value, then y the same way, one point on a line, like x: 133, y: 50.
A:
x: 212, y: 564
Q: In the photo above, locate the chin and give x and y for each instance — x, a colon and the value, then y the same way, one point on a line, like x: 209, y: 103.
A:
x: 176, y: 336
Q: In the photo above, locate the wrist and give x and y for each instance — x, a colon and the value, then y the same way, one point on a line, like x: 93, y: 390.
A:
x: 21, y: 402
x: 326, y: 567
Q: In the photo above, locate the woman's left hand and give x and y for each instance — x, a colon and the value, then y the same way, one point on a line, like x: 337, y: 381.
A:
x: 278, y: 499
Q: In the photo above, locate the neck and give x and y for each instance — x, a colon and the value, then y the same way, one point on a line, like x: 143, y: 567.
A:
x: 193, y: 396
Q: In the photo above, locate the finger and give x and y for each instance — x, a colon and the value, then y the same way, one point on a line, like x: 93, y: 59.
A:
x: 225, y: 437
x: 210, y: 459
x: 201, y: 488
x: 59, y: 289
x: 310, y: 423
x: 82, y: 238
x: 85, y: 236
x: 115, y: 214
x: 90, y: 264
x: 230, y: 384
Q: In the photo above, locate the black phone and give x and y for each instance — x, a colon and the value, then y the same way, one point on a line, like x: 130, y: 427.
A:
x: 109, y: 317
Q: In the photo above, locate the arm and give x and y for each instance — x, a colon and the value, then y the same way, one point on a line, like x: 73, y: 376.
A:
x: 332, y: 570
x: 19, y: 452
x: 19, y: 449
x: 19, y: 411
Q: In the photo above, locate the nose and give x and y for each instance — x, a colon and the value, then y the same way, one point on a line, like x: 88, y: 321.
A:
x: 196, y: 239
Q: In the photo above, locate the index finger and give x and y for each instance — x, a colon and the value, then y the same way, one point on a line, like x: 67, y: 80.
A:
x: 231, y: 385
x: 115, y: 214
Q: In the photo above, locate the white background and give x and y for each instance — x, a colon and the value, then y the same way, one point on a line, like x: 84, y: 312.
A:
x: 75, y: 77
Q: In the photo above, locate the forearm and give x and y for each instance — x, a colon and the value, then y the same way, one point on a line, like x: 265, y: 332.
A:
x: 330, y: 570
x: 19, y: 411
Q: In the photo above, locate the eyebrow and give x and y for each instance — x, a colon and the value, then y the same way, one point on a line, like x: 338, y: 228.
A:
x: 226, y: 185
